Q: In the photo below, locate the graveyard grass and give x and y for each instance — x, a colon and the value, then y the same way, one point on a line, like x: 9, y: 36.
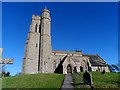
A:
x: 107, y: 80
x: 33, y: 81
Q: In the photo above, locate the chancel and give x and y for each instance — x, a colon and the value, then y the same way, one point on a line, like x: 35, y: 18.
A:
x: 40, y: 58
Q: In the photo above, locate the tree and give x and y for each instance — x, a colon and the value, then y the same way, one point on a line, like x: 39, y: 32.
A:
x: 114, y: 68
x: 4, y: 74
x: 8, y: 74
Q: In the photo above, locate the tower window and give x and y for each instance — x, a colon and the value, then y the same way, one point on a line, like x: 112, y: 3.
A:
x: 36, y: 28
x: 36, y: 44
x: 39, y: 28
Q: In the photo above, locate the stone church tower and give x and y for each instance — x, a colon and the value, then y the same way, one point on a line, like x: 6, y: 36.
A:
x: 38, y: 45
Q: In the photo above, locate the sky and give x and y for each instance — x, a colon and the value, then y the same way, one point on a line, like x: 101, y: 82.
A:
x: 87, y: 26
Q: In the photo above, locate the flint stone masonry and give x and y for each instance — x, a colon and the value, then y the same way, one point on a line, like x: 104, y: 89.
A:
x: 40, y: 58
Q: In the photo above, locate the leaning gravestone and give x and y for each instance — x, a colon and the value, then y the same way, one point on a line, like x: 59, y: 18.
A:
x: 88, y: 79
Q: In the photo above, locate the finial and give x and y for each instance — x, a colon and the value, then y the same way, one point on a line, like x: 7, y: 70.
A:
x: 45, y: 7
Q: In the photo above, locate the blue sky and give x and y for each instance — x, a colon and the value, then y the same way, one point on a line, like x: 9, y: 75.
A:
x: 90, y: 27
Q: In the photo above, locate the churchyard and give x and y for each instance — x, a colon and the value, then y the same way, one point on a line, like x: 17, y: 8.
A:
x: 107, y: 80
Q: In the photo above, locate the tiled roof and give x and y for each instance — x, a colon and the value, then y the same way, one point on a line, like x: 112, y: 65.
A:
x: 96, y: 60
x: 65, y: 52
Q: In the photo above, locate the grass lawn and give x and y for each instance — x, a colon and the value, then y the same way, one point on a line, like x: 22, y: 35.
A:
x: 107, y: 80
x: 33, y: 81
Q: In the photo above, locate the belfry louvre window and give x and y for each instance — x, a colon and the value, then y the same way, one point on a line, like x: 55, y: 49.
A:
x: 36, y: 28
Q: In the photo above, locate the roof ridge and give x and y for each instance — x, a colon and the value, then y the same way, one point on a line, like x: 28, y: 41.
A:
x: 90, y: 54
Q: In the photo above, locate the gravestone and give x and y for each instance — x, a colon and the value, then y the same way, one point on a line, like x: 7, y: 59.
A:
x: 87, y: 78
x: 103, y: 72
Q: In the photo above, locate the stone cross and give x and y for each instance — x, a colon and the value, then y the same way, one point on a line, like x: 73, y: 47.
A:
x: 4, y: 61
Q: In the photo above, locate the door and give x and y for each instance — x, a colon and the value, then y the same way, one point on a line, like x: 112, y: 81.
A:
x: 69, y: 69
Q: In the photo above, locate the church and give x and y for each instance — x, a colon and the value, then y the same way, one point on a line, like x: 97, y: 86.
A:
x: 40, y: 58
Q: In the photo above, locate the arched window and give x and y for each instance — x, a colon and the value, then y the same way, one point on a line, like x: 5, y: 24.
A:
x: 81, y: 68
x: 36, y: 28
x: 75, y: 70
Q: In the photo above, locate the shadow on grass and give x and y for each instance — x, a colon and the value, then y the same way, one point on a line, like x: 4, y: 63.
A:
x: 112, y: 82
